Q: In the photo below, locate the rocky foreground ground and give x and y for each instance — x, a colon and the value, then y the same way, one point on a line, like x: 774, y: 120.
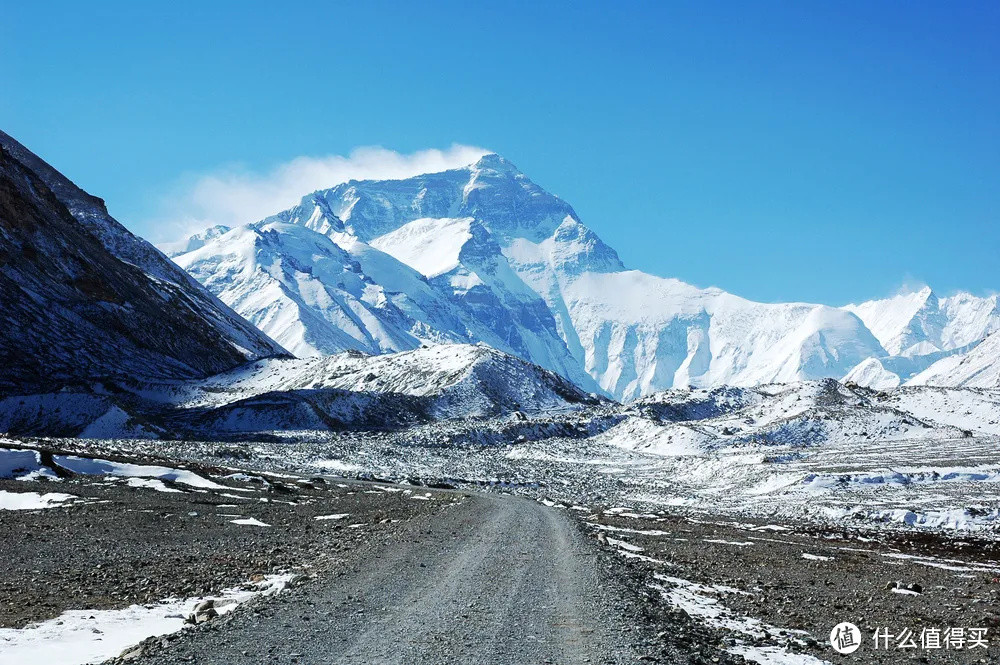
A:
x: 764, y: 586
x: 389, y: 571
x: 116, y: 544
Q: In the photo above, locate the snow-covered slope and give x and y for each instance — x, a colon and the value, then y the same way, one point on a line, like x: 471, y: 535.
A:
x: 314, y: 297
x: 82, y: 299
x: 978, y: 368
x: 430, y: 246
x: 918, y: 329
x: 463, y: 259
x: 916, y: 323
x: 516, y: 266
x: 872, y: 373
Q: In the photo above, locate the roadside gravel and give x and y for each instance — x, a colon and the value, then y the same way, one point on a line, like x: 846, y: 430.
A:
x: 116, y: 545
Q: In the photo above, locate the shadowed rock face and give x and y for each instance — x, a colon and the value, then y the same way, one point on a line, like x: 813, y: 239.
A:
x: 82, y: 299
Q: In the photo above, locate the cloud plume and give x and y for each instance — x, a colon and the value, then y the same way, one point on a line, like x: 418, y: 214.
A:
x: 234, y: 196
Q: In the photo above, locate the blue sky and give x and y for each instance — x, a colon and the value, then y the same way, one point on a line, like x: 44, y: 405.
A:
x: 822, y: 152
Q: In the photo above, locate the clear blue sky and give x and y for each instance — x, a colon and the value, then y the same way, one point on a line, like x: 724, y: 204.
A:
x: 783, y: 151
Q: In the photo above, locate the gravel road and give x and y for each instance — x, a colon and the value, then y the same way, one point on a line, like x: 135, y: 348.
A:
x: 488, y: 580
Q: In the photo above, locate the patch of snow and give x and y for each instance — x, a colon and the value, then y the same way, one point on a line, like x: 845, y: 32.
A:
x: 336, y: 465
x: 151, y: 483
x: 430, y: 246
x: 83, y: 637
x: 88, y: 466
x: 32, y: 500
x: 774, y: 655
x: 22, y: 463
x: 701, y: 601
x: 249, y: 521
x: 944, y: 564
x: 621, y: 544
x: 816, y: 557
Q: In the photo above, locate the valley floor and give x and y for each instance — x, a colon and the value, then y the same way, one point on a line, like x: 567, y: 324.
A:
x: 773, y: 592
x: 358, y: 572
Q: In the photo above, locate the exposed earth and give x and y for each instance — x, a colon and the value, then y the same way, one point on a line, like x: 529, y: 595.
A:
x: 387, y: 573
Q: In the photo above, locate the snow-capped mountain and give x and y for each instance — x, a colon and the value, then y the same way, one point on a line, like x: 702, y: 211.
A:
x: 194, y: 241
x: 516, y: 268
x: 918, y: 329
x: 977, y: 368
x: 918, y: 323
x: 103, y: 336
x: 492, y: 191
x: 84, y: 300
x: 319, y: 294
x: 641, y: 333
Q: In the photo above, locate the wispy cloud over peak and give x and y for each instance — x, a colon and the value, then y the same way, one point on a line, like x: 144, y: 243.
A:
x: 233, y: 195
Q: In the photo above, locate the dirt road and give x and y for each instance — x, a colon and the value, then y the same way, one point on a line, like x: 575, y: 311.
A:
x: 488, y: 580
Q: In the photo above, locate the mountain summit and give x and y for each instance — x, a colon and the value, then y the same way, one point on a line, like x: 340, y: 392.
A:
x: 483, y: 254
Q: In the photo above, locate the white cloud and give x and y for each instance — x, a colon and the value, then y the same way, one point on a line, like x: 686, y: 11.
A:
x: 234, y: 196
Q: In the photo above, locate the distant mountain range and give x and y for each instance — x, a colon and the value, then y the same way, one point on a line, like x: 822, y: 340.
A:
x: 483, y: 254
x: 923, y: 334
x: 392, y: 294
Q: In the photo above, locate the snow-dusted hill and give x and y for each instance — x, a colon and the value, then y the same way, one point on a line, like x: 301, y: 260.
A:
x: 346, y: 391
x: 912, y: 456
x: 83, y: 300
x: 352, y: 390
x: 800, y: 414
x: 513, y: 266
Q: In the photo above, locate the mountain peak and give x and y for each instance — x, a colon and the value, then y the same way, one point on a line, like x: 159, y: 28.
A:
x: 494, y: 162
x: 193, y: 241
x: 916, y: 291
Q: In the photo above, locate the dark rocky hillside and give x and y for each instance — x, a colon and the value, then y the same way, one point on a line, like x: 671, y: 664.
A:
x: 82, y: 300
